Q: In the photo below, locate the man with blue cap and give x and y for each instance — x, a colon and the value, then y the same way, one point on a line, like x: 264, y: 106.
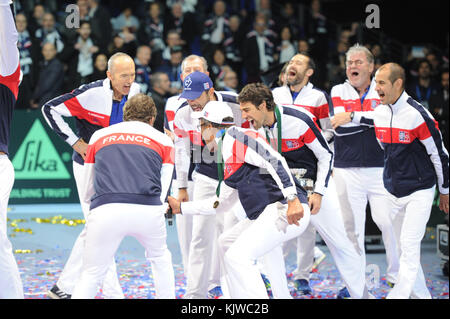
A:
x: 258, y: 178
x: 203, y: 267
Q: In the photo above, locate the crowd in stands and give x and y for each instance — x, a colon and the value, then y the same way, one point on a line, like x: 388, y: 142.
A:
x: 241, y: 40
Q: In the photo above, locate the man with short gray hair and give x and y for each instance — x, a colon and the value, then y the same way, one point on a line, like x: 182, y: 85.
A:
x: 358, y: 164
x: 128, y: 170
x: 94, y: 105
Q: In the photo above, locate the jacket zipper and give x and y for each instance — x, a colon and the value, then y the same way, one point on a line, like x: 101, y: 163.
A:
x: 391, y: 144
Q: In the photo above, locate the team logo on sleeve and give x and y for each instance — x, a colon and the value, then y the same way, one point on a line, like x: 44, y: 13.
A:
x: 403, y: 137
x: 374, y: 103
x: 292, y: 144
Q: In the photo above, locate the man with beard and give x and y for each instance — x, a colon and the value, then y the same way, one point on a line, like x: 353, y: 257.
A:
x: 293, y: 132
x: 183, y: 190
x: 257, y: 177
x: 190, y: 149
x: 358, y: 164
x: 301, y: 93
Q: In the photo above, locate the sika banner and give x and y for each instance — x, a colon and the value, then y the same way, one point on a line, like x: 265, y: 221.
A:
x: 42, y: 162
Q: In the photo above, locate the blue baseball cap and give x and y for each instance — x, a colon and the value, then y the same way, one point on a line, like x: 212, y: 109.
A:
x: 195, y: 84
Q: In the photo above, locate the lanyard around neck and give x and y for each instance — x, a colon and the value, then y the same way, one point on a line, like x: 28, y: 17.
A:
x: 220, y: 166
x: 364, y: 95
x: 278, y: 121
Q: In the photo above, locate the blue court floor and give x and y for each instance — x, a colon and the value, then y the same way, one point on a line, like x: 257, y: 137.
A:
x: 42, y: 237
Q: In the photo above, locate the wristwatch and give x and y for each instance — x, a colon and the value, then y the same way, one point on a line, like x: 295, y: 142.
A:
x: 291, y: 197
x: 352, y: 115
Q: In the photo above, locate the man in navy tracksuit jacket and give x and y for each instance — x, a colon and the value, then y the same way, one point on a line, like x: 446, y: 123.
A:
x: 415, y: 160
x: 128, y: 170
x: 358, y: 162
x: 94, y: 106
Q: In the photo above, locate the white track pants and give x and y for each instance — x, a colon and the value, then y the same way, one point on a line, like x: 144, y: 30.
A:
x: 10, y: 282
x: 72, y: 268
x: 106, y: 227
x: 205, y: 230
x: 330, y: 225
x: 184, y: 226
x: 356, y: 186
x: 249, y: 240
x: 305, y: 244
x: 410, y: 217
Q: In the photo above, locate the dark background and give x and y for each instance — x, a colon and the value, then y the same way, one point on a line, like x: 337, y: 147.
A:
x: 406, y: 21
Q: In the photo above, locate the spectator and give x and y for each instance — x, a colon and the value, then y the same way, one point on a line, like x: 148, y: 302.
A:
x: 265, y: 8
x: 186, y: 5
x: 183, y: 23
x: 151, y: 33
x: 290, y: 18
x: 440, y: 106
x: 173, y: 69
x: 80, y: 57
x: 345, y: 37
x: 51, y: 77
x: 143, y: 70
x: 303, y: 46
x: 218, y: 65
x: 172, y: 40
x: 260, y: 48
x: 48, y: 33
x: 286, y: 49
x: 230, y: 81
x: 126, y: 20
x: 100, y: 66
x: 121, y: 44
x: 378, y: 56
x: 318, y: 37
x: 234, y: 44
x: 435, y: 65
x: 100, y: 24
x: 160, y: 87
x: 71, y: 34
x: 423, y: 88
x: 36, y: 18
x: 24, y: 45
x: 83, y: 9
x: 216, y: 29
x: 337, y: 66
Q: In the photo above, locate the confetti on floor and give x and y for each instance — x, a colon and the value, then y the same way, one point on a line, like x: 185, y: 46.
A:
x: 43, y: 247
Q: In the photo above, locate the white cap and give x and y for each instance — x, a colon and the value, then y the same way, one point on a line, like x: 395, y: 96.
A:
x: 215, y: 112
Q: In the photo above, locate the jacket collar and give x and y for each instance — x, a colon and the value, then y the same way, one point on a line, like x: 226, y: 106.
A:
x: 400, y: 101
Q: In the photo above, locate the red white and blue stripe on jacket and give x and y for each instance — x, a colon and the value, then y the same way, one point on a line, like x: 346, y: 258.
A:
x: 414, y: 155
x: 90, y: 104
x: 10, y: 74
x: 129, y: 162
x: 259, y: 173
x: 303, y: 145
x: 355, y: 145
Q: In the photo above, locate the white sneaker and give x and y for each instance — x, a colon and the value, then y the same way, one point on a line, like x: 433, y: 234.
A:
x: 319, y: 256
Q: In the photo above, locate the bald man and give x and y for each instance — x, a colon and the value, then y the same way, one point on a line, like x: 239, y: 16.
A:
x: 415, y: 163
x: 94, y: 105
